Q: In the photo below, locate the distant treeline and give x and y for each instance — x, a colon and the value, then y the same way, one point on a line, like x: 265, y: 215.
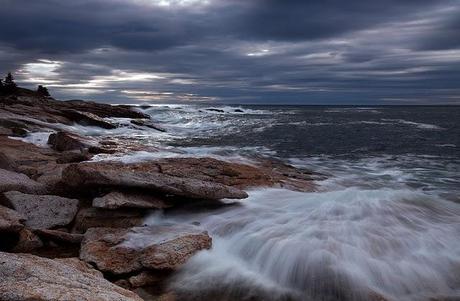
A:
x: 8, y: 86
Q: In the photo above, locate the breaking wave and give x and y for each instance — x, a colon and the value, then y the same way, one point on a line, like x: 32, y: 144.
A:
x: 384, y: 223
x: 350, y: 243
x: 423, y: 126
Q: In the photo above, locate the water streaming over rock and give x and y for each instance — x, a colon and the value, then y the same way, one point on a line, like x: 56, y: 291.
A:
x: 386, y: 222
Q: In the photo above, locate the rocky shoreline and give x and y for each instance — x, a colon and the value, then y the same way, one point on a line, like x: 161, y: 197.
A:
x: 73, y: 229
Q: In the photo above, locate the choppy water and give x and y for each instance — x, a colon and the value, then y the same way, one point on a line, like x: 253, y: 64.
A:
x: 386, y: 221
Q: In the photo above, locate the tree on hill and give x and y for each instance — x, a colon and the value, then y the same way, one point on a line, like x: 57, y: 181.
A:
x: 43, y: 91
x: 9, y: 86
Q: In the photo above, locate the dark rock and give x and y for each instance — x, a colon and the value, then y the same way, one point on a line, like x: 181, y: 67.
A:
x: 146, y: 278
x: 10, y: 220
x: 374, y: 296
x: 10, y: 127
x: 5, y: 132
x: 167, y: 297
x: 27, y: 242
x: 215, y: 110
x: 64, y: 141
x: 103, y: 110
x: 73, y: 157
x: 121, y: 251
x: 5, y: 162
x: 43, y: 211
x: 152, y: 293
x: 10, y: 180
x: 12, y: 124
x: 124, y: 284
x: 86, y: 118
x: 148, y: 123
x: 94, y: 217
x: 59, y: 236
x: 27, y: 277
x: 18, y: 132
x: 50, y: 176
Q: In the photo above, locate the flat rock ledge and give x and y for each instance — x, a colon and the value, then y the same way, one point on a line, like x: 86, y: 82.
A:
x: 10, y: 180
x: 116, y: 199
x: 147, y: 177
x: 87, y: 118
x: 46, y: 209
x: 121, y: 251
x: 43, y: 211
x: 108, y: 218
x: 65, y: 141
x: 25, y: 277
x: 59, y: 236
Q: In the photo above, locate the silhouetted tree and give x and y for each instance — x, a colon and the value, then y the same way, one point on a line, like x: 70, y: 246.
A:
x: 9, y: 86
x: 1, y: 86
x: 43, y: 91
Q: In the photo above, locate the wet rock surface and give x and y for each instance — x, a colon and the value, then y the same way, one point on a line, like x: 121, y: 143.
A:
x: 95, y: 217
x: 56, y: 204
x: 63, y: 141
x: 87, y: 118
x: 147, y: 176
x: 103, y: 110
x: 147, y: 123
x: 265, y: 173
x: 121, y: 251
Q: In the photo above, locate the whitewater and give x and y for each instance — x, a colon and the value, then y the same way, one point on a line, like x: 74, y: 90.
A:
x: 383, y: 222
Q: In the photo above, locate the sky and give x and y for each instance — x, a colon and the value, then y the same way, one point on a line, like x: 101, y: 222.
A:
x: 236, y: 51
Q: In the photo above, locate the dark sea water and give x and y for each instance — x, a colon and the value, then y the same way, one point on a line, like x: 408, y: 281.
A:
x: 386, y: 221
x: 307, y: 130
x: 418, y: 144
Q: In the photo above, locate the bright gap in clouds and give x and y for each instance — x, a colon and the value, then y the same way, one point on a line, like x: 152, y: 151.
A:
x: 173, y: 3
x: 262, y: 52
x: 41, y: 72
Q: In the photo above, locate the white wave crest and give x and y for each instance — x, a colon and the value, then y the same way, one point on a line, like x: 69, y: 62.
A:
x: 338, y: 245
x: 423, y: 126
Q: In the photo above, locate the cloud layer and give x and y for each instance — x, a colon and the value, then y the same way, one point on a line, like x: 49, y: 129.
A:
x: 236, y: 51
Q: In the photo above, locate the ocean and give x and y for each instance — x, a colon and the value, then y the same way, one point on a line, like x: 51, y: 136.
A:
x: 384, y: 222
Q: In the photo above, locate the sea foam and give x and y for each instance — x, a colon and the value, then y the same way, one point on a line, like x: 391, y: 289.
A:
x: 337, y: 245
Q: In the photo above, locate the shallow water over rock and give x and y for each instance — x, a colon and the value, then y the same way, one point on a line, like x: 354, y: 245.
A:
x: 348, y: 244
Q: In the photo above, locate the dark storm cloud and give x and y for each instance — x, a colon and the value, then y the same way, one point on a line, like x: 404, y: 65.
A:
x: 52, y: 26
x: 303, y: 20
x: 330, y: 51
x: 444, y: 34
